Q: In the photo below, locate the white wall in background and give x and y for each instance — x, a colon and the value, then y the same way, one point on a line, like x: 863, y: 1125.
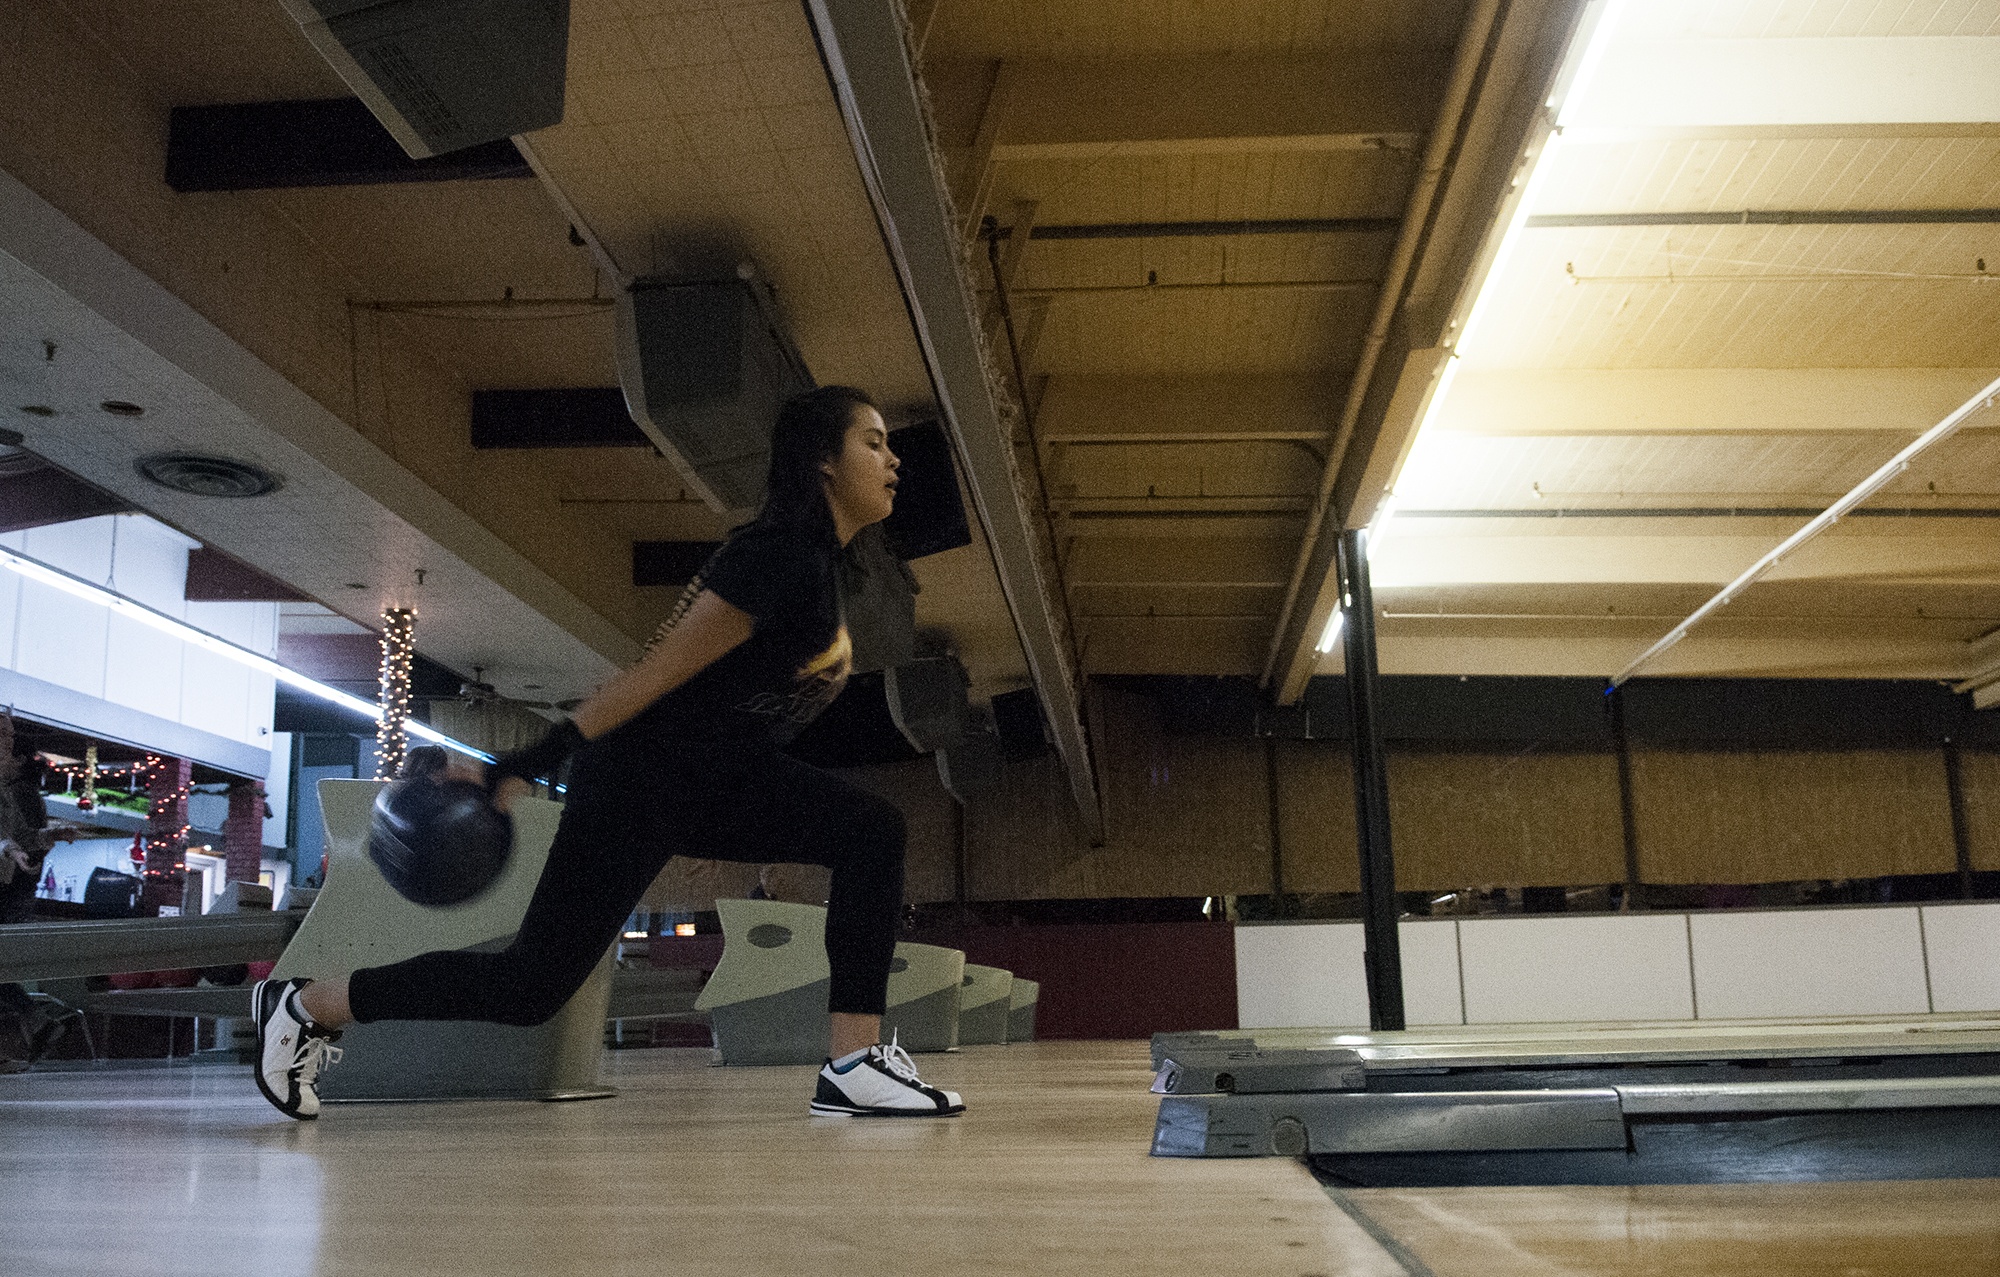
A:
x: 1431, y: 992
x: 1962, y: 945
x: 1300, y: 976
x: 1521, y: 970
x: 1808, y: 962
x: 1554, y: 968
x: 57, y: 638
x: 1309, y: 975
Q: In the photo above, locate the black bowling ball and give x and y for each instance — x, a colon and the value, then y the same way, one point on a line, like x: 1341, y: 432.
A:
x: 439, y: 842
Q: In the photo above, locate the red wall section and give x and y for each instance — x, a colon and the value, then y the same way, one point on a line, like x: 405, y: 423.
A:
x: 1113, y: 980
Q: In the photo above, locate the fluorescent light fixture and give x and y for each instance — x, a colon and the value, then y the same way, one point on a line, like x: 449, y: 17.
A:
x: 1331, y: 634
x: 1580, y: 67
x: 1378, y: 527
x: 132, y: 609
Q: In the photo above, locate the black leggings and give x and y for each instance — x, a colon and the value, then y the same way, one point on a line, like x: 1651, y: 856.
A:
x: 633, y: 804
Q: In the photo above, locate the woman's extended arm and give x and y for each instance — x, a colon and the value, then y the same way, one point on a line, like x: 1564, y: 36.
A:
x: 711, y: 628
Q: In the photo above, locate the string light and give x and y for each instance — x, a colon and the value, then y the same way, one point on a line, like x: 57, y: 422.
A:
x: 87, y: 801
x: 392, y: 738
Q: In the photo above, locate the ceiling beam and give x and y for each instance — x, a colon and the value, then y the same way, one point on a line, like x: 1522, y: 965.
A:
x: 1502, y: 74
x: 1644, y: 401
x: 1087, y: 110
x: 1209, y: 230
x: 864, y: 48
x: 1771, y: 217
x: 255, y: 146
x: 1445, y: 552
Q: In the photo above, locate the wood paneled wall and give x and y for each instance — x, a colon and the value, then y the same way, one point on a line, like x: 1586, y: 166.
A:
x: 1191, y: 815
x: 1979, y: 773
x: 1527, y: 817
x: 1770, y: 816
x: 1187, y: 816
x: 1316, y: 816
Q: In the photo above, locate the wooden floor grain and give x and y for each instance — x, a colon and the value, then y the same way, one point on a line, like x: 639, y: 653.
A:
x: 720, y: 1172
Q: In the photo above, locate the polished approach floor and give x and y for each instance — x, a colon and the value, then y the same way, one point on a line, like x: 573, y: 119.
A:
x: 699, y: 1170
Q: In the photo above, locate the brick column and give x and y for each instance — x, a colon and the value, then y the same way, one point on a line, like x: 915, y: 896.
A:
x: 167, y: 782
x: 243, y: 831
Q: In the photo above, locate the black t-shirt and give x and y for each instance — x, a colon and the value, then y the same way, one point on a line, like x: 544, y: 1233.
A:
x: 796, y: 659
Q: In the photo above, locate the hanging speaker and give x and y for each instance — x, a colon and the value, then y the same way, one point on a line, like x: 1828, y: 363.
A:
x: 442, y: 75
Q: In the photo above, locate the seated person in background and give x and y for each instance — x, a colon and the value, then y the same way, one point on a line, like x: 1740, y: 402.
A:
x: 25, y: 1029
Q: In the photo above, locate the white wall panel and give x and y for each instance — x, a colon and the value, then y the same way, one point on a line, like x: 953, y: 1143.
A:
x: 1808, y: 962
x: 148, y: 562
x: 62, y: 639
x: 1963, y: 946
x: 215, y: 693
x: 248, y: 625
x: 81, y: 547
x: 143, y: 668
x: 1430, y: 973
x: 1523, y: 970
x: 1302, y: 975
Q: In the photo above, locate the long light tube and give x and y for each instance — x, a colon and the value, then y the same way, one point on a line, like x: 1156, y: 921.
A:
x: 1331, y: 634
x: 1821, y: 522
x: 77, y: 587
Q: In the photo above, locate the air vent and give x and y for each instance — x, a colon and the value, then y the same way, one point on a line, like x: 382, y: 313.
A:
x: 207, y: 476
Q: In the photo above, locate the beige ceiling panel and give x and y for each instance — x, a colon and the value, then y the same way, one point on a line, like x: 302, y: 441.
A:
x: 1961, y: 609
x: 1225, y: 331
x: 1496, y: 552
x: 1264, y: 468
x: 1744, y: 296
x: 195, y: 52
x: 1073, y: 108
x: 1538, y: 401
x: 1456, y: 471
x: 1145, y: 560
x: 1101, y: 409
x: 1194, y: 187
x: 1059, y: 265
x: 1148, y: 29
x: 1215, y: 598
x: 1202, y: 645
x: 1699, y: 655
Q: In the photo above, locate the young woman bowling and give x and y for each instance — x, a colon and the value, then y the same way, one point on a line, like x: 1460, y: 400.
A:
x: 755, y: 649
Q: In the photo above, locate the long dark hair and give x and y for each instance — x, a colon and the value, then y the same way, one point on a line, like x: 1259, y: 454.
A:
x: 811, y: 431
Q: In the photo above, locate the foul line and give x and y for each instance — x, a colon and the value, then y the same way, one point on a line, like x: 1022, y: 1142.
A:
x: 1383, y: 1237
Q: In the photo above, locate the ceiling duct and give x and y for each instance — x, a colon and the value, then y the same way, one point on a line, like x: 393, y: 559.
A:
x: 705, y: 366
x: 204, y: 476
x: 442, y: 75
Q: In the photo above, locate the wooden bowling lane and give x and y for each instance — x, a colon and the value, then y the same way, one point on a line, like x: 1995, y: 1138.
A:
x: 716, y: 1172
x: 1924, y: 1228
x: 691, y: 1170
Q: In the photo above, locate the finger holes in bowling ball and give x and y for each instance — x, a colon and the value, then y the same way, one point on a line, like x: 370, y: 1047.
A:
x: 769, y: 935
x: 898, y: 966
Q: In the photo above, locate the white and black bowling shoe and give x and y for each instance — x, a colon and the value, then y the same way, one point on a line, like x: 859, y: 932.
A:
x: 882, y: 1083
x: 291, y: 1049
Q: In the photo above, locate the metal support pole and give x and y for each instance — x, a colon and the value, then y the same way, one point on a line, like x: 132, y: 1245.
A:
x: 1628, y: 816
x: 1383, y: 951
